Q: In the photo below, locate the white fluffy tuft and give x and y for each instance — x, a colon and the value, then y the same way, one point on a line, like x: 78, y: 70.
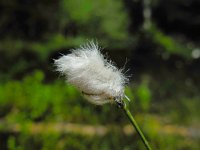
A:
x: 87, y: 69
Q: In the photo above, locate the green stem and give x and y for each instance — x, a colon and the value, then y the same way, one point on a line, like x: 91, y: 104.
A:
x: 134, y: 123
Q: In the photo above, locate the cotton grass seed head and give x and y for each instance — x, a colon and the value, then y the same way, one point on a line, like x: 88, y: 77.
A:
x: 88, y: 70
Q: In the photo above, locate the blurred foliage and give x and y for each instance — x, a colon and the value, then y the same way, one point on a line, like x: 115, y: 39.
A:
x: 144, y: 94
x: 63, y: 28
x: 32, y: 101
x: 171, y: 45
x: 161, y: 40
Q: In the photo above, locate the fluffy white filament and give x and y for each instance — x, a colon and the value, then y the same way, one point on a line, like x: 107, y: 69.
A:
x: 87, y: 69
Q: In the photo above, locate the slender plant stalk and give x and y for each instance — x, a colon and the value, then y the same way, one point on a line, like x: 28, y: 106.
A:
x: 134, y: 123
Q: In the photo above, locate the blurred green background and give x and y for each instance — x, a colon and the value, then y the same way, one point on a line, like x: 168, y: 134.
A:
x: 159, y: 38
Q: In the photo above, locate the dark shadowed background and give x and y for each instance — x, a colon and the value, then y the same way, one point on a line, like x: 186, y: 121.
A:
x: 158, y: 40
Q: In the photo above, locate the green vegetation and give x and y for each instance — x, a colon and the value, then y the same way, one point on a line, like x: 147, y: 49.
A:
x: 30, y: 102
